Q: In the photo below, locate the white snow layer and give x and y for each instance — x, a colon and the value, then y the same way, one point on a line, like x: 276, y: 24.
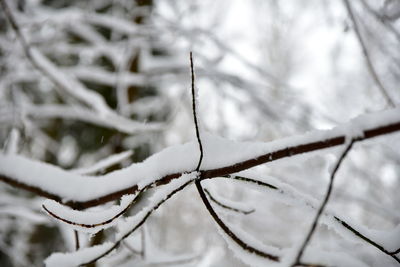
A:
x: 218, y: 152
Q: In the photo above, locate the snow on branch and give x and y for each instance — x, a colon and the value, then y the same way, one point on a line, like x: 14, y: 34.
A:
x: 222, y: 157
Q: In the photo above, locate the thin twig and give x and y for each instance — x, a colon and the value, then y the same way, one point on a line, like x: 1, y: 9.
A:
x: 324, y: 202
x: 76, y: 235
x: 370, y: 66
x: 194, y: 108
x: 225, y: 206
x: 369, y: 241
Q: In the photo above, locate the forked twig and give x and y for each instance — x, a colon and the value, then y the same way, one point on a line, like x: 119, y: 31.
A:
x: 203, y: 197
x: 324, y: 202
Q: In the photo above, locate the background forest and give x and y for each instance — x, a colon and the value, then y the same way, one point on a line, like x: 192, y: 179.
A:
x: 94, y: 86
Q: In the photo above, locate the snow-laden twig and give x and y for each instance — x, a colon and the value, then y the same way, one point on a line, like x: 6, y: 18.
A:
x: 126, y: 228
x: 86, y: 221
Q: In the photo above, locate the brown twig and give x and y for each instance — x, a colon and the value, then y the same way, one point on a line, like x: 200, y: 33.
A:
x: 368, y: 60
x: 324, y: 202
x: 225, y: 206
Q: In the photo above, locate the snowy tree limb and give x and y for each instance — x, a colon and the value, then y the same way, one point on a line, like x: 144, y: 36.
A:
x: 380, y: 124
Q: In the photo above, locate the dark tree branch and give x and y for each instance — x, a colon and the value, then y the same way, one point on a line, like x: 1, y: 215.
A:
x: 245, y: 212
x: 303, y: 146
x: 324, y: 202
x: 194, y: 108
x: 76, y: 236
x: 367, y: 57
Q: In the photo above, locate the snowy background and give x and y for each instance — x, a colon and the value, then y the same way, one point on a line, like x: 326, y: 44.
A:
x: 90, y: 89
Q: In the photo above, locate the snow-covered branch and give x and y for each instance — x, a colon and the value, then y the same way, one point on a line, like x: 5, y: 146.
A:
x: 50, y: 181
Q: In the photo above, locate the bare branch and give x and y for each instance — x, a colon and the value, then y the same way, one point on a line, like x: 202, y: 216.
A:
x: 225, y: 206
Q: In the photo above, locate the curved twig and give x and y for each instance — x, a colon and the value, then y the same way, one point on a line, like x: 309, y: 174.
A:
x: 228, y: 231
x: 194, y: 108
x: 105, y: 222
x: 225, y: 206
